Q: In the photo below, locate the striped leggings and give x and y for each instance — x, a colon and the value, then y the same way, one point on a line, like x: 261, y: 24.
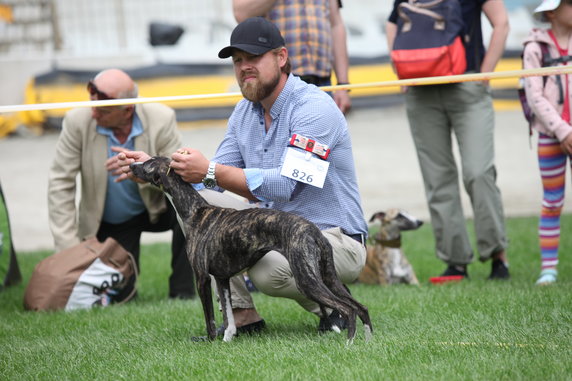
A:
x: 552, y: 163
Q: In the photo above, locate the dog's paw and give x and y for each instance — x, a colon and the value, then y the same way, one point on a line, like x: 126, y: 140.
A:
x: 229, y: 333
x: 368, y: 334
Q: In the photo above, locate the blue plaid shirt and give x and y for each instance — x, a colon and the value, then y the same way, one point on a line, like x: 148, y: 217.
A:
x: 308, y: 111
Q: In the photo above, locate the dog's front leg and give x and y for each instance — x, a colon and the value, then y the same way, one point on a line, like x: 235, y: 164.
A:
x: 204, y: 289
x: 223, y: 286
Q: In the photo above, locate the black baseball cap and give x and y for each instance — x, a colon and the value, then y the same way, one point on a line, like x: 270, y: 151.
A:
x: 255, y: 35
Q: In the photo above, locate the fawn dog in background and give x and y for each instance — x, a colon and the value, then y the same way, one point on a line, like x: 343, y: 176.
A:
x: 386, y: 263
x: 222, y: 242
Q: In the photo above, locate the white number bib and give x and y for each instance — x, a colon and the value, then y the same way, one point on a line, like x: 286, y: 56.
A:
x: 305, y: 167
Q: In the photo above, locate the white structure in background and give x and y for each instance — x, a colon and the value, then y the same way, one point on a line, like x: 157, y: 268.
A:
x: 39, y: 35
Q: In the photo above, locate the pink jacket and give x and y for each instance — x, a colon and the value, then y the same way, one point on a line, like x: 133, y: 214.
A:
x: 543, y: 100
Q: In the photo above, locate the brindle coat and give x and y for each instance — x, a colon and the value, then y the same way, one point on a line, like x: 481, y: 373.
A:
x: 223, y: 242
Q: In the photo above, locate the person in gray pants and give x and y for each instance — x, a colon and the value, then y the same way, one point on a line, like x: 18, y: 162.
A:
x: 435, y: 113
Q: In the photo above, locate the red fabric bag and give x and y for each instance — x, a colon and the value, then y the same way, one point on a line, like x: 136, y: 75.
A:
x: 429, y: 40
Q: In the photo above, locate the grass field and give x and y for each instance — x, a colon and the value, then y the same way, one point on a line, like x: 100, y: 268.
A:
x: 473, y: 330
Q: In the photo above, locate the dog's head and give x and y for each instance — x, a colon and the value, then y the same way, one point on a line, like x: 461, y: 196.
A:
x: 154, y: 171
x: 393, y: 222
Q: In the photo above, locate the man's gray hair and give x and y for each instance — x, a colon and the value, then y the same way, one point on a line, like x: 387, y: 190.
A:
x: 127, y: 94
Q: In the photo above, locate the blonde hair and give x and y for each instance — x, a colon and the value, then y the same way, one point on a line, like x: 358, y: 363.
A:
x: 287, y: 68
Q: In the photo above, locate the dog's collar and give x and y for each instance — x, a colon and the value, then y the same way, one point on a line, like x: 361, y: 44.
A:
x: 392, y: 242
x: 161, y: 185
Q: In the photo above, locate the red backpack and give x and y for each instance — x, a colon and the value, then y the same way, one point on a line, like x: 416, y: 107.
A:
x: 429, y: 40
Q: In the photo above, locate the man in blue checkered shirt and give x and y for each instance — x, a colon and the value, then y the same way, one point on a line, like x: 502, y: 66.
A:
x: 262, y: 158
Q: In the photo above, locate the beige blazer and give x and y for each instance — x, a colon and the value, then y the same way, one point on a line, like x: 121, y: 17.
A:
x: 80, y: 150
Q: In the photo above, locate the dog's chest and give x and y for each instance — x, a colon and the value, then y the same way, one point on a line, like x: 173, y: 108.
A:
x: 179, y: 219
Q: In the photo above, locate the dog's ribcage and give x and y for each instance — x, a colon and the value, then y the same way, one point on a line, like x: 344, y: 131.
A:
x: 247, y: 235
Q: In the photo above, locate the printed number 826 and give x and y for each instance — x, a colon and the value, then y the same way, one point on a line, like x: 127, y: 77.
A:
x: 302, y: 176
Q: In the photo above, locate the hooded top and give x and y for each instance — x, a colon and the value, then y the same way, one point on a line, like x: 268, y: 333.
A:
x: 543, y: 98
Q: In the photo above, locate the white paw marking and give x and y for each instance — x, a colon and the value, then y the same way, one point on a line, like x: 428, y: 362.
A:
x: 368, y: 334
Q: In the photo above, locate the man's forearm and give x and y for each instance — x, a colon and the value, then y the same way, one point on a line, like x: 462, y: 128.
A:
x: 244, y: 9
x: 234, y: 180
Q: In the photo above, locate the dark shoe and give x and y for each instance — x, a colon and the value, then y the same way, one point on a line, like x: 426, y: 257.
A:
x: 499, y: 270
x: 455, y: 271
x: 248, y: 329
x: 335, y: 319
x: 451, y: 274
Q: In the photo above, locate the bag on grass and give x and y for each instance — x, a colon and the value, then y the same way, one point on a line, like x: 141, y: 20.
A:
x: 429, y: 41
x: 89, y: 274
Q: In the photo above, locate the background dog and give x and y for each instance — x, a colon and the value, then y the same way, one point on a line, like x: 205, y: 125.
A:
x: 386, y: 263
x: 223, y: 242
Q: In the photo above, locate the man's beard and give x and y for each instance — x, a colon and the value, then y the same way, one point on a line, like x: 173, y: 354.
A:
x: 256, y: 90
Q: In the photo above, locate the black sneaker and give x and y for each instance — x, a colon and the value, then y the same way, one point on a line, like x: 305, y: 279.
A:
x: 249, y: 329
x: 452, y: 270
x: 499, y: 270
x: 335, y: 318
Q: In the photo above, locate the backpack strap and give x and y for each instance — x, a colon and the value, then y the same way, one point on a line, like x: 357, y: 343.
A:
x: 547, y: 60
x: 420, y: 8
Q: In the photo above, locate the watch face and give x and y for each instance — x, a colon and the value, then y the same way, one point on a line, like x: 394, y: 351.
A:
x: 209, y: 183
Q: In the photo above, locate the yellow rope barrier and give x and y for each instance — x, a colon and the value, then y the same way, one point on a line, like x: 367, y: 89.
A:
x: 403, y: 82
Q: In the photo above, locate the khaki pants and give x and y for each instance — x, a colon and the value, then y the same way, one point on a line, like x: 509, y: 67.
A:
x: 435, y: 113
x: 272, y: 274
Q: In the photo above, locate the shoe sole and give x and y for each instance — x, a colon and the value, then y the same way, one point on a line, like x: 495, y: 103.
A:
x: 446, y: 279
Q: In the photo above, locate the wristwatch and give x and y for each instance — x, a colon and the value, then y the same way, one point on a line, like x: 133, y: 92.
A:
x: 210, y: 181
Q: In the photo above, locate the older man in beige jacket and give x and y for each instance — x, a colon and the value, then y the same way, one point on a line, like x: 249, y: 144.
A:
x: 122, y: 210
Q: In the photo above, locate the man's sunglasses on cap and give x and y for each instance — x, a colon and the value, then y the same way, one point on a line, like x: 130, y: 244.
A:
x: 94, y: 91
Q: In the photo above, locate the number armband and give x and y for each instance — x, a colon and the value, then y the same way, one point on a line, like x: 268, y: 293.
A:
x: 310, y: 145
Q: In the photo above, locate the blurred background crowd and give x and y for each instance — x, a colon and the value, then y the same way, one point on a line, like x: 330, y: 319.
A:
x: 50, y: 48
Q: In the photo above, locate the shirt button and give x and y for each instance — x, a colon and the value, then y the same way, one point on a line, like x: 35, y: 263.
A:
x: 265, y: 150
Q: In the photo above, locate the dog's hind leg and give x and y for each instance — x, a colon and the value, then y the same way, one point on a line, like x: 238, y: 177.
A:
x: 310, y: 282
x: 204, y: 289
x: 339, y: 289
x: 223, y: 286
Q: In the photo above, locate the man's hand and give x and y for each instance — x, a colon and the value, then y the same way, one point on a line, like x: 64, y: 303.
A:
x: 566, y: 144
x: 343, y: 100
x: 190, y: 164
x: 119, y: 164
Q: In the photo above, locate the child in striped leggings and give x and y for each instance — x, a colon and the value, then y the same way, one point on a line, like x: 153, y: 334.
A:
x: 549, y: 99
x: 552, y: 163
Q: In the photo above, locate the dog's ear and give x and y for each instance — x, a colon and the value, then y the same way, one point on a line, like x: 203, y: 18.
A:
x: 377, y: 216
x: 391, y: 214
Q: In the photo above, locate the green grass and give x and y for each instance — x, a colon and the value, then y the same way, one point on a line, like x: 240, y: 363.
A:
x: 474, y: 330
